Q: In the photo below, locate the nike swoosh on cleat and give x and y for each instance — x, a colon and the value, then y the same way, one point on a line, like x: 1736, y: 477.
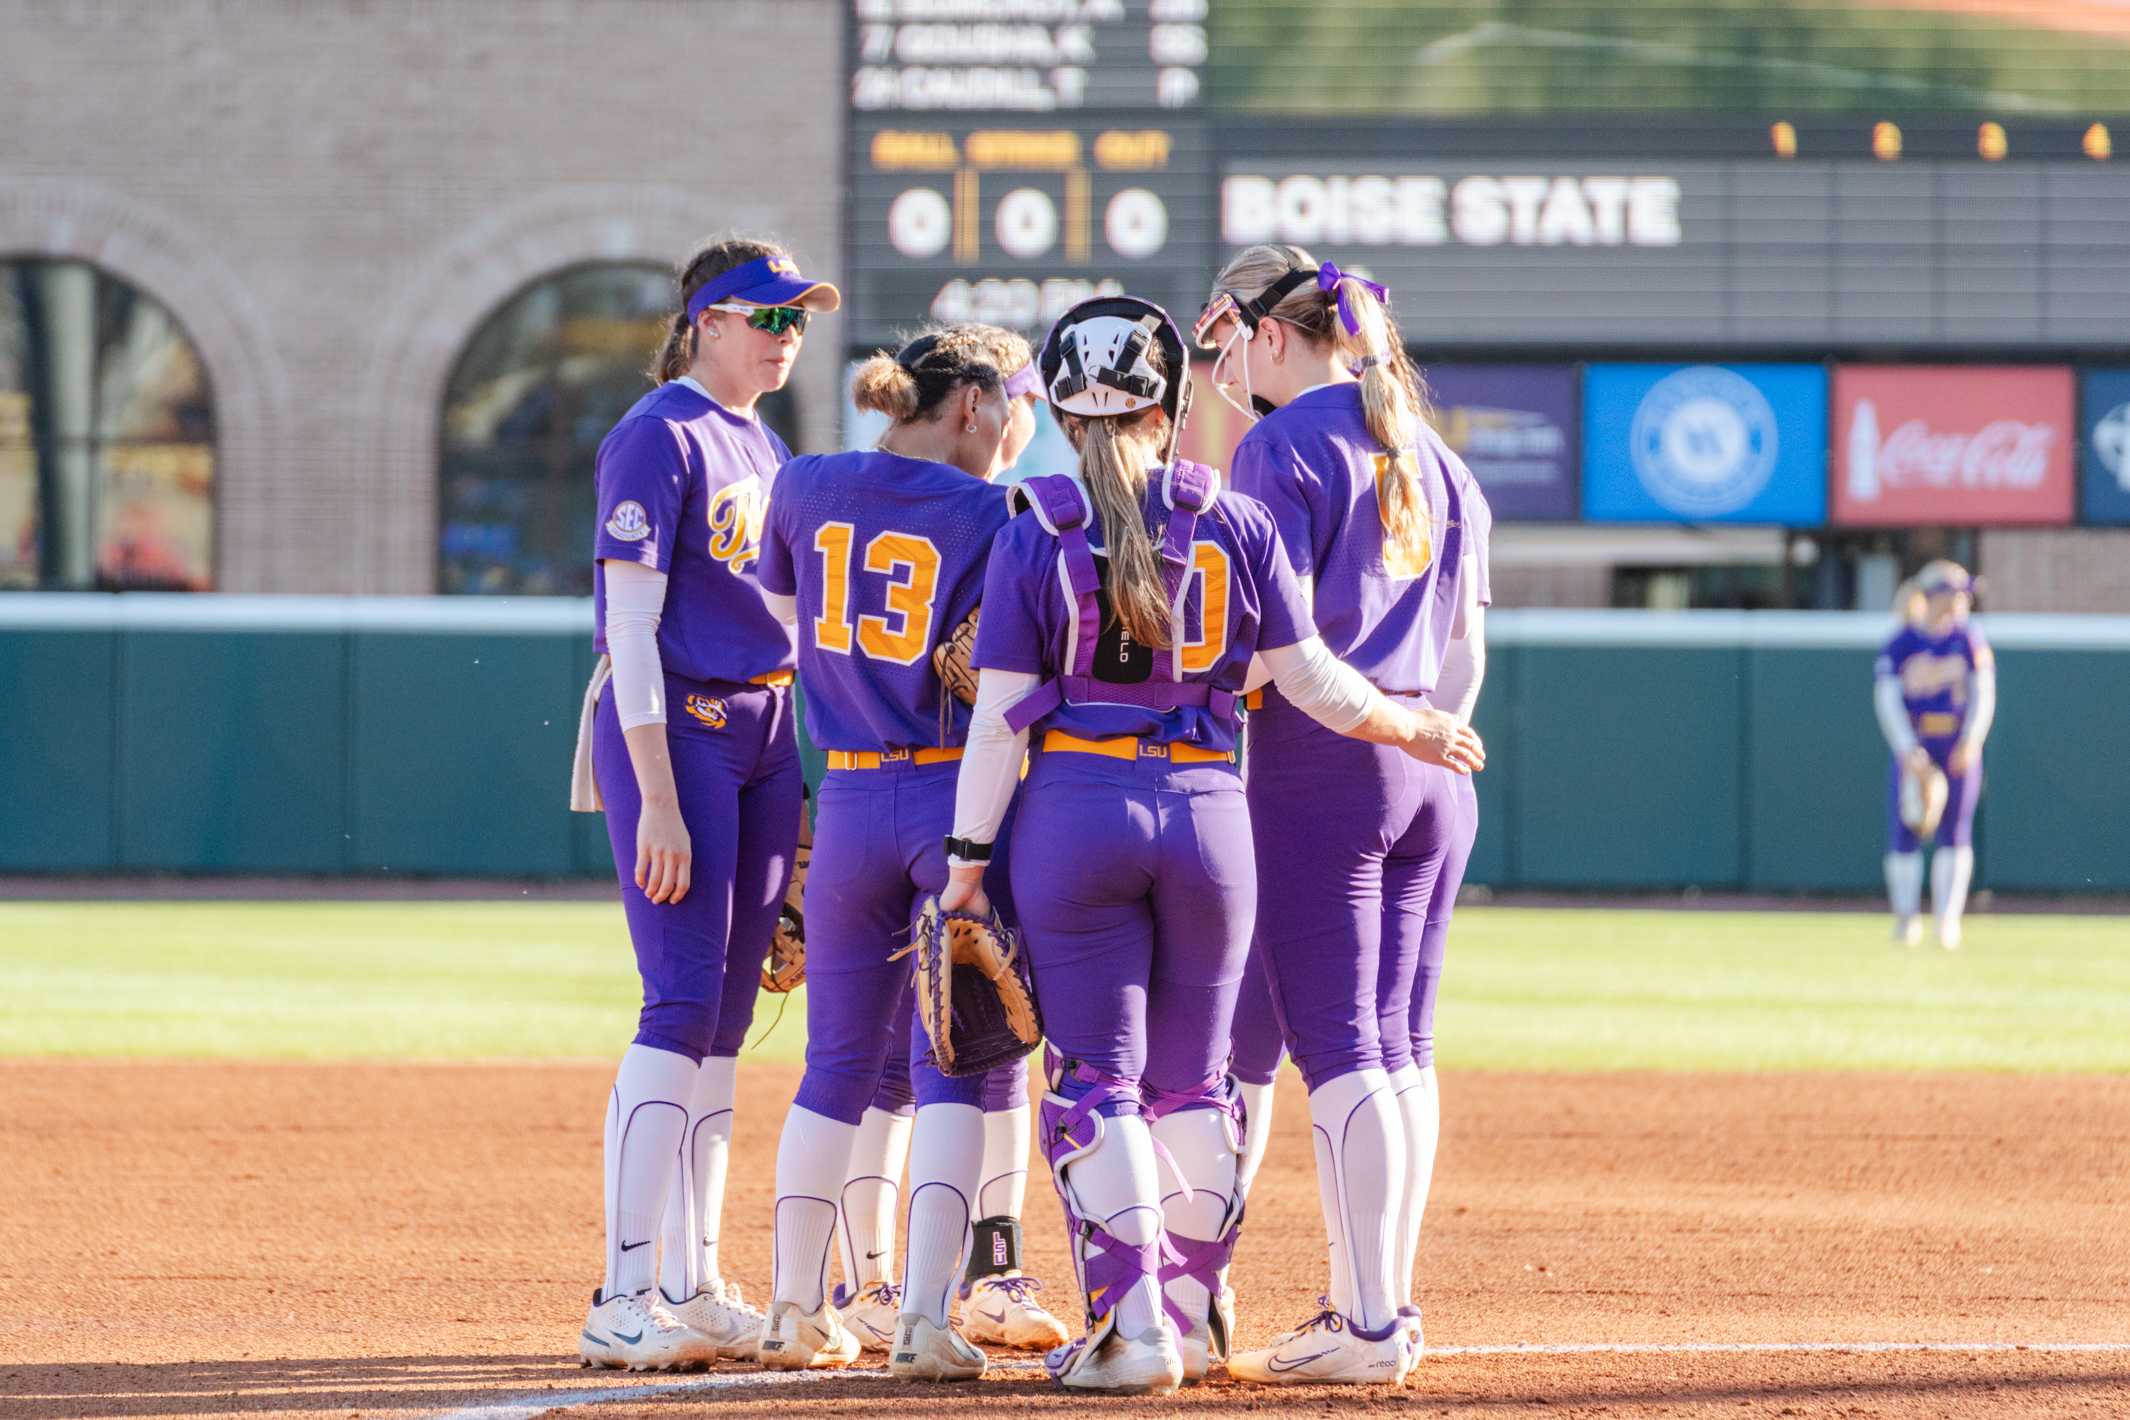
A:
x: 595, y: 1340
x: 627, y: 1340
x: 631, y: 1247
x: 997, y: 1316
x: 1274, y: 1365
x: 874, y: 1256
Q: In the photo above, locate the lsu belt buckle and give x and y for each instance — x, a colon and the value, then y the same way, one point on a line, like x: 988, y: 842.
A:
x: 896, y: 755
x: 1153, y: 749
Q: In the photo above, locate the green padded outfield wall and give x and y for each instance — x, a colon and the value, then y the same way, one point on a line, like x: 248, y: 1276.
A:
x: 1627, y: 751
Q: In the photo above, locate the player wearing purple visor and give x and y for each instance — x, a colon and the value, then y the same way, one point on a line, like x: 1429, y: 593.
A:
x: 1388, y: 530
x: 702, y: 803
x: 1122, y: 611
x: 877, y: 556
x: 1935, y: 690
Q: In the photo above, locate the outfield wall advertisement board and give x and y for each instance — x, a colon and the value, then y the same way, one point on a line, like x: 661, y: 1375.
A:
x: 2104, y: 420
x: 1515, y: 428
x: 1705, y: 444
x: 1961, y: 445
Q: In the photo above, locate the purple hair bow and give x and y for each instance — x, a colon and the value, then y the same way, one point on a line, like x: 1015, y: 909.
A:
x: 1328, y: 278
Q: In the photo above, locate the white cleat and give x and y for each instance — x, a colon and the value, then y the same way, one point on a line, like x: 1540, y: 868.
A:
x: 1949, y: 934
x: 635, y: 1333
x: 1210, y: 1339
x: 871, y: 1315
x: 1146, y: 1364
x: 925, y: 1351
x: 1001, y: 1310
x: 1414, y: 1334
x: 1324, y: 1350
x: 1908, y: 931
x: 793, y: 1340
x: 720, y: 1314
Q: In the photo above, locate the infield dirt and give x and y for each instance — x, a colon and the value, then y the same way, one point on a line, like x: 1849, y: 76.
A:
x: 206, y: 1239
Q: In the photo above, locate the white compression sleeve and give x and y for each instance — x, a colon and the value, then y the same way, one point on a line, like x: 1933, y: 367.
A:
x: 635, y: 598
x: 783, y: 608
x: 1981, y: 706
x: 1464, y: 666
x: 991, y: 763
x: 1893, y: 715
x: 1321, y: 685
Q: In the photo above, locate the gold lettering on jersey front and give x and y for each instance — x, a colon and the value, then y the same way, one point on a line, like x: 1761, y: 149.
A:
x: 736, y: 523
x: 1398, y: 561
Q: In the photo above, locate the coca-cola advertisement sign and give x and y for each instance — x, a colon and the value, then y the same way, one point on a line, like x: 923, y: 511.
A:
x: 1968, y: 445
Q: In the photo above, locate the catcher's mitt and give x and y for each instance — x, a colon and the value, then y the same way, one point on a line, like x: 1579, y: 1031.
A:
x: 950, y: 659
x: 1923, y: 799
x: 784, y: 969
x: 980, y: 1017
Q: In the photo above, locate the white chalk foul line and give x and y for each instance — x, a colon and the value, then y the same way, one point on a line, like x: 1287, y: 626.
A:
x: 525, y: 1407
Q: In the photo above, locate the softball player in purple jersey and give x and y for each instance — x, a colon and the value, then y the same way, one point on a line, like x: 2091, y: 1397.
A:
x: 1121, y: 614
x: 1389, y: 530
x: 878, y: 556
x: 1935, y: 689
x: 702, y: 804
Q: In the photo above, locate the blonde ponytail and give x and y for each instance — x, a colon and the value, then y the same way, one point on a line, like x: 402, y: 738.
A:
x: 884, y: 386
x: 1115, y: 454
x: 1393, y: 397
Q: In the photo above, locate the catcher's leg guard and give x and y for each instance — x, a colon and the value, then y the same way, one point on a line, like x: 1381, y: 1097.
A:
x: 1202, y: 1131
x: 1104, y: 1167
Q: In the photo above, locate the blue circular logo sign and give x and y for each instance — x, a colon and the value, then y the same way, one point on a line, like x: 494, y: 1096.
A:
x: 1703, y: 441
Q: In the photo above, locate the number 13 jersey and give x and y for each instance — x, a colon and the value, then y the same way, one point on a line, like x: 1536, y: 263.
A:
x: 885, y: 555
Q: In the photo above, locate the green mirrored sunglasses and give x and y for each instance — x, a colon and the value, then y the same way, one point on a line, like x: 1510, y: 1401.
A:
x: 774, y: 319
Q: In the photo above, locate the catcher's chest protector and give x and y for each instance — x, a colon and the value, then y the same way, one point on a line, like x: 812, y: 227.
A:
x: 1061, y: 506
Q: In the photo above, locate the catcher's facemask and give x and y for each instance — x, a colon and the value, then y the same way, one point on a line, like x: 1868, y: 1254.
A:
x: 1093, y: 362
x: 1243, y: 315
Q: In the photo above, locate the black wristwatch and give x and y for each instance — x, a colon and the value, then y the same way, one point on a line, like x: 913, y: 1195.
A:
x: 967, y: 850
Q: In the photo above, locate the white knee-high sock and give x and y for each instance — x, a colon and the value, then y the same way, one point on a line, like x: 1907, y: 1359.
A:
x: 1420, y: 1110
x: 812, y: 1157
x: 1004, y: 1190
x: 865, y: 1212
x: 1257, y: 1132
x: 946, y: 1162
x: 1360, y: 1142
x: 1117, y: 1185
x: 687, y: 1255
x: 1204, y: 1146
x: 1904, y: 883
x: 646, y: 1118
x: 1951, y: 870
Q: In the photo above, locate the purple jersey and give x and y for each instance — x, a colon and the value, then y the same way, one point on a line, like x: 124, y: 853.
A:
x: 1241, y: 597
x: 886, y: 557
x: 1386, y: 613
x: 1934, y: 672
x: 682, y: 484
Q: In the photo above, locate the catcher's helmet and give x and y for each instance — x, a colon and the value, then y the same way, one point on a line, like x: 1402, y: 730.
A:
x: 1093, y: 362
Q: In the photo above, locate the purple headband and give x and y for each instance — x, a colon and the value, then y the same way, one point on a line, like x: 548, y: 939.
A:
x: 759, y: 272
x: 1024, y: 381
x: 1328, y: 278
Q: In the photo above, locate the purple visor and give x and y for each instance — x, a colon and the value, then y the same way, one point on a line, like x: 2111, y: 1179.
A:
x: 1024, y: 383
x: 766, y: 281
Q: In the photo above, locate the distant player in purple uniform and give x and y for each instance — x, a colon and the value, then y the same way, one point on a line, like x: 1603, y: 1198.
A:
x: 1936, y: 693
x: 878, y: 556
x: 1121, y: 615
x: 688, y: 744
x: 1389, y: 531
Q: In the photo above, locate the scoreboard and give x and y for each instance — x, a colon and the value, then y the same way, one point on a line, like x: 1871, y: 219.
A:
x: 1007, y: 158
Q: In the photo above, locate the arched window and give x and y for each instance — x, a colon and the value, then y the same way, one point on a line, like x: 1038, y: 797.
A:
x: 537, y: 387
x: 107, y: 456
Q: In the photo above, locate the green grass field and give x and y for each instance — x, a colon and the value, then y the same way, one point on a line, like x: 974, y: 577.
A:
x: 1526, y: 988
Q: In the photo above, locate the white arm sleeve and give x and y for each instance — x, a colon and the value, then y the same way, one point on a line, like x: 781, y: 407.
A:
x: 1981, y: 706
x: 1893, y: 715
x: 1324, y: 687
x: 991, y: 762
x: 635, y: 598
x: 1464, y: 666
x: 783, y: 608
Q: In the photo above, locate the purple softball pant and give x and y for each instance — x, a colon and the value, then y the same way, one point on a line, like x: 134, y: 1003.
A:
x: 736, y: 770
x: 1355, y: 845
x: 1963, y: 793
x: 1136, y: 885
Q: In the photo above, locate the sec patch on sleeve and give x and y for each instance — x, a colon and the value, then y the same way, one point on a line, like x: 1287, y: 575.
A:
x: 628, y: 522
